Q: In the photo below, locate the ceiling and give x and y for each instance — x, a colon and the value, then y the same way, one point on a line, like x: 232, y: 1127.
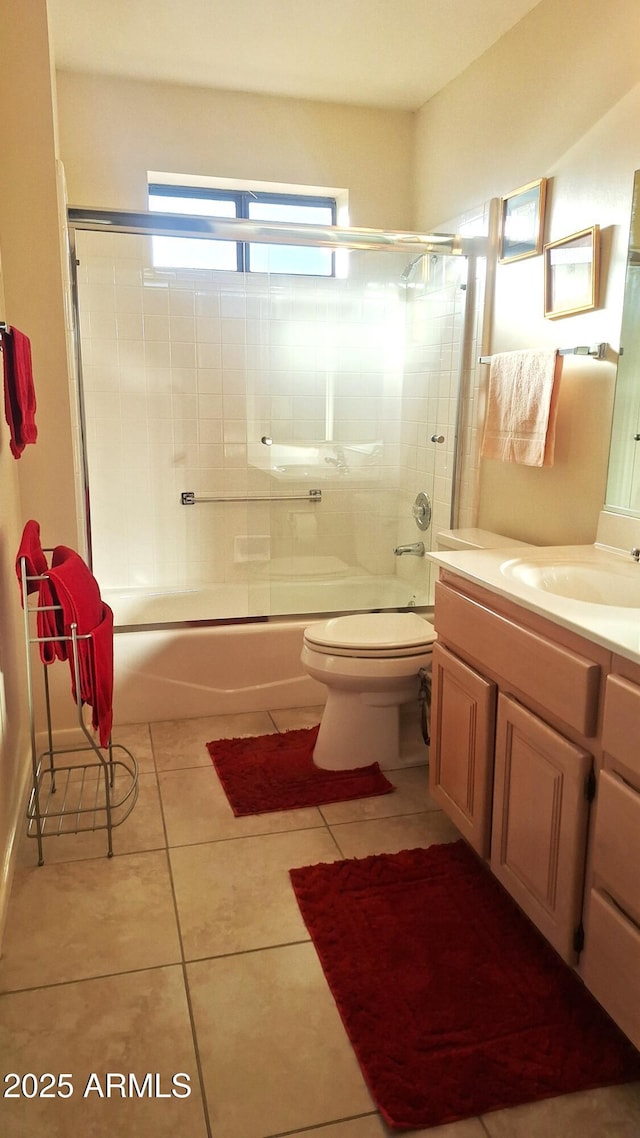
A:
x: 381, y: 53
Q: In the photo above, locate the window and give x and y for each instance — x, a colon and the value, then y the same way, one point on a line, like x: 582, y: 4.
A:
x: 240, y: 256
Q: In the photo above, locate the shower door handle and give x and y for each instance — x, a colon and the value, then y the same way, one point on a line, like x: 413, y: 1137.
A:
x: 437, y: 438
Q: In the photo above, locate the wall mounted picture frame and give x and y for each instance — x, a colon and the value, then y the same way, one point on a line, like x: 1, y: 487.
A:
x: 572, y: 273
x: 522, y: 222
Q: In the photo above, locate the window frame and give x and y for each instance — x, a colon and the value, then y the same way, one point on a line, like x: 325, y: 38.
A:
x: 242, y: 200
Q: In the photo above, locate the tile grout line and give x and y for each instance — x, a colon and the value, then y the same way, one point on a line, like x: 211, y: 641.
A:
x: 185, y: 978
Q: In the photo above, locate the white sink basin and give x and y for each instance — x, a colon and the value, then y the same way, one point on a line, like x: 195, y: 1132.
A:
x: 597, y: 581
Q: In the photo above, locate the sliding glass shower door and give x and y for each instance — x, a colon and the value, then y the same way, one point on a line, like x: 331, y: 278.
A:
x: 253, y: 443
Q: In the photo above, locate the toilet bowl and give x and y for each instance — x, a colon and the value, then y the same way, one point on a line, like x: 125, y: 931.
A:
x: 370, y: 664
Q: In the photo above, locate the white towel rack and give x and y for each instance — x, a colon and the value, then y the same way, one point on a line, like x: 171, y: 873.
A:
x: 596, y: 351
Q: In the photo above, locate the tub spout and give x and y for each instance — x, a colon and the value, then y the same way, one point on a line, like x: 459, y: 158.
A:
x: 417, y: 549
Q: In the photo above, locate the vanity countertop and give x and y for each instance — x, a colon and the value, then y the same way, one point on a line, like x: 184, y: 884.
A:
x: 572, y: 568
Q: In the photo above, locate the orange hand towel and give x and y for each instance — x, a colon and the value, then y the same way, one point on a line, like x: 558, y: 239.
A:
x: 520, y: 423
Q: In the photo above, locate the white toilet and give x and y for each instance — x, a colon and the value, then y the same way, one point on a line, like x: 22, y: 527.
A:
x: 370, y: 664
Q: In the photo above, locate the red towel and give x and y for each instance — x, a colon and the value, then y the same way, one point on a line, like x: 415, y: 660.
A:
x: 36, y: 562
x: 49, y: 623
x: 102, y: 667
x: 77, y: 591
x: 19, y: 392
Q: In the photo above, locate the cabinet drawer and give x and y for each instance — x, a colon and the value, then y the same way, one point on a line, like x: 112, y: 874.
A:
x: 558, y: 679
x: 616, y: 846
x: 610, y: 965
x: 621, y: 724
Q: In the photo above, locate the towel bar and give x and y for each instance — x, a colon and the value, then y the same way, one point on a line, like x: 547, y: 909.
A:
x: 188, y: 498
x: 598, y: 351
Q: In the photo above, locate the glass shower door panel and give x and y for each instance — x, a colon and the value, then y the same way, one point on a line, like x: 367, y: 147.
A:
x: 159, y: 367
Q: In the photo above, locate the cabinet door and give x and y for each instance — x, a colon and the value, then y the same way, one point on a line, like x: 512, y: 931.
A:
x: 540, y: 813
x: 610, y: 964
x: 462, y: 736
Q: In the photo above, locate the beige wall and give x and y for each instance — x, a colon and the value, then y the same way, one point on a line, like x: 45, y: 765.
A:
x: 557, y: 97
x: 513, y: 114
x: 113, y: 131
x: 13, y: 709
x: 40, y: 483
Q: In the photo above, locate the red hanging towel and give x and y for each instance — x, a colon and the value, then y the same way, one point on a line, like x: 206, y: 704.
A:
x: 49, y: 623
x: 102, y: 666
x: 77, y: 591
x: 31, y: 549
x: 19, y: 391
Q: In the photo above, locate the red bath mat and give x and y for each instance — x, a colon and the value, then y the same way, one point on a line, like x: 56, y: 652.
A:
x: 454, y: 1004
x: 277, y: 772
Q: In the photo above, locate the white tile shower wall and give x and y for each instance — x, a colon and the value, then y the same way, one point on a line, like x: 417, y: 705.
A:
x: 184, y: 369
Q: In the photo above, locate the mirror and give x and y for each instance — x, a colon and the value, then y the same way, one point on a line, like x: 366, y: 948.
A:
x: 623, y: 483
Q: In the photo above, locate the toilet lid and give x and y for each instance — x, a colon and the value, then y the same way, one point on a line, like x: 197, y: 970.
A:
x: 372, y: 634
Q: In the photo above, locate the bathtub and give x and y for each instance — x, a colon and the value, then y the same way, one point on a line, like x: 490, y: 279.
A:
x: 139, y: 607
x: 172, y: 662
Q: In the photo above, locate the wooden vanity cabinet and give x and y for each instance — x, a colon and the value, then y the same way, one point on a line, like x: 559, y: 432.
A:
x: 540, y: 819
x: 529, y: 723
x: 610, y: 964
x: 463, y: 707
x: 501, y: 767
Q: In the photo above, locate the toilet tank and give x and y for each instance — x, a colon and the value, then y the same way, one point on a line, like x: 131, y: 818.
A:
x: 474, y: 539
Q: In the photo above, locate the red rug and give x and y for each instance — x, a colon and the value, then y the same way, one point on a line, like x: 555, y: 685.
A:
x: 454, y: 1004
x: 277, y: 772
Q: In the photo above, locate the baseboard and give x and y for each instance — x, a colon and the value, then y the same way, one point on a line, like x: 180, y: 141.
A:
x: 65, y: 738
x: 7, y: 867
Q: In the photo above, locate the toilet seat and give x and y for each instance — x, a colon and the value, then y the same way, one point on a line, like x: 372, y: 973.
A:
x: 380, y: 636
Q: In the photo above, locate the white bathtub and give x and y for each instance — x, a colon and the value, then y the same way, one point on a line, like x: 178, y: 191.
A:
x: 177, y: 671
x: 136, y: 607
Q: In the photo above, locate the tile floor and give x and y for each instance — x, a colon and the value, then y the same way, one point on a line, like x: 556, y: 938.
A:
x: 186, y: 953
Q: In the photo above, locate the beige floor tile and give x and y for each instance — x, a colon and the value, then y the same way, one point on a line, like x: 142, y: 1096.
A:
x: 141, y: 830
x: 137, y: 738
x: 274, y: 1053
x: 295, y: 718
x: 183, y: 742
x: 89, y: 918
x: 129, y: 1024
x: 389, y: 835
x: 196, y: 809
x: 372, y: 1126
x: 237, y: 895
x: 368, y: 1126
x: 411, y: 796
x: 466, y: 1128
x: 606, y: 1112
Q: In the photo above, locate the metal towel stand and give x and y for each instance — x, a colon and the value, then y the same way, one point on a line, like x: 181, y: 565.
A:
x: 77, y: 796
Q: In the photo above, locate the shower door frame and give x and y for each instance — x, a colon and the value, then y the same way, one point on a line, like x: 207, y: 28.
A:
x: 149, y: 224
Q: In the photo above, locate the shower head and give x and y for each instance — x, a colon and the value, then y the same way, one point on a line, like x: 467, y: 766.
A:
x: 408, y: 270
